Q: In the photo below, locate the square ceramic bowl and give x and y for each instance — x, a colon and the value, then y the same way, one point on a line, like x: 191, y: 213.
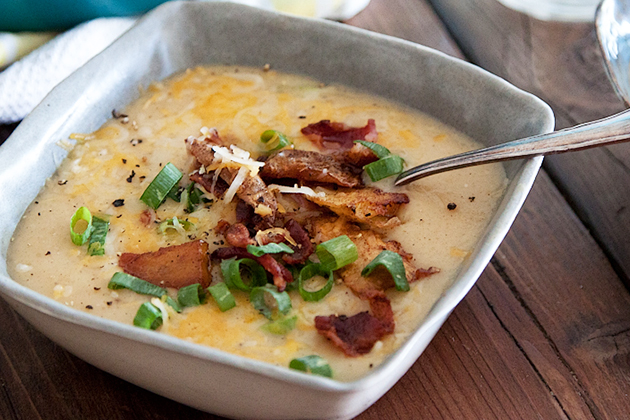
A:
x: 176, y: 36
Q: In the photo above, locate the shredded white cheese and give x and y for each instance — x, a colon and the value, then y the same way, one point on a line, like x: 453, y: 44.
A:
x: 236, y: 183
x: 296, y: 190
x: 234, y: 157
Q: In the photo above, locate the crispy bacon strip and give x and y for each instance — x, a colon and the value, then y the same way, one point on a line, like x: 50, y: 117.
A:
x: 217, y: 189
x: 311, y: 166
x: 369, y: 244
x: 238, y: 235
x: 253, y: 190
x: 174, y: 266
x: 281, y: 275
x: 366, y: 205
x: 328, y: 134
x: 304, y: 249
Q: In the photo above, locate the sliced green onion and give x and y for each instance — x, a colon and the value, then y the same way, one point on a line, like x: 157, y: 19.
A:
x: 271, y: 248
x: 175, y: 223
x: 231, y: 270
x: 384, y: 167
x: 193, y: 196
x: 175, y: 193
x: 81, y: 226
x: 222, y: 296
x: 280, y: 326
x: 280, y: 301
x: 336, y: 253
x: 310, y: 271
x: 148, y: 316
x: 274, y: 140
x: 379, y: 151
x: 100, y: 226
x: 192, y: 295
x: 313, y: 364
x: 172, y: 303
x: 122, y: 280
x: 393, y: 263
x: 162, y: 184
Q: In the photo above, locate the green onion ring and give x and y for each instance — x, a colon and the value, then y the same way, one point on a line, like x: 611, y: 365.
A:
x: 222, y: 296
x: 192, y: 295
x: 384, y: 167
x: 100, y: 226
x: 162, y: 184
x: 231, y: 270
x: 271, y: 248
x: 393, y: 263
x: 148, y: 316
x: 274, y: 140
x: 282, y: 300
x: 336, y: 253
x: 122, y: 280
x: 309, y: 271
x: 379, y: 151
x: 313, y: 364
x: 82, y: 214
x: 280, y: 326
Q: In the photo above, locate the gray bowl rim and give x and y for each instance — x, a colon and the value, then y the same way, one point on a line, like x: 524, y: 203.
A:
x: 525, y: 177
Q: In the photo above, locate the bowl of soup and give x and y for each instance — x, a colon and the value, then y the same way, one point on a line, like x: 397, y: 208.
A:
x: 198, y: 209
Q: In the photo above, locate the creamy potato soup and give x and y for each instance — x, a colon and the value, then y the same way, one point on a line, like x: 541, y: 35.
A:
x: 108, y: 171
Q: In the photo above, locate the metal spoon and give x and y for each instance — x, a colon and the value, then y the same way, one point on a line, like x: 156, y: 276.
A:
x: 613, y: 31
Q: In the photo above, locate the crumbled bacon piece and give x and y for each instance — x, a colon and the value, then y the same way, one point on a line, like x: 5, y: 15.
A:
x: 222, y: 227
x: 328, y: 134
x: 304, y: 247
x: 217, y: 188
x: 312, y: 167
x: 238, y: 235
x: 355, y: 335
x: 172, y: 266
x: 147, y: 217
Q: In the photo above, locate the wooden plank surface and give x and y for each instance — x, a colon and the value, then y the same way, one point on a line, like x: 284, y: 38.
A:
x: 562, y: 64
x: 543, y: 334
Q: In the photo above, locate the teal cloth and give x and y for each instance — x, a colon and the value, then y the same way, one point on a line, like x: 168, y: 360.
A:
x: 57, y: 15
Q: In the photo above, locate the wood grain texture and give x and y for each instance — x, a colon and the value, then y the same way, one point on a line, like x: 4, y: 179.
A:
x: 544, y: 333
x: 562, y: 64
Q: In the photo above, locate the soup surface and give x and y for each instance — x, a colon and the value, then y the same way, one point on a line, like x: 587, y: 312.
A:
x: 108, y: 170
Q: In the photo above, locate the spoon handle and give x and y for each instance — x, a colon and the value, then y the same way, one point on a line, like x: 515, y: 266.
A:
x: 613, y: 129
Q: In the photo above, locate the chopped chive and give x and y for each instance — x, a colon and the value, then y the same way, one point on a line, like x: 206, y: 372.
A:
x: 310, y: 271
x: 281, y: 300
x: 336, y: 253
x: 271, y: 248
x: 379, y: 151
x: 313, y: 364
x: 158, y: 189
x: 180, y: 225
x: 384, y: 167
x: 81, y: 226
x: 274, y: 140
x: 172, y: 303
x: 393, y: 263
x: 192, y: 295
x: 122, y: 280
x: 231, y: 269
x: 280, y: 326
x: 194, y: 196
x: 96, y: 245
x: 148, y: 316
x: 222, y: 296
x: 175, y: 193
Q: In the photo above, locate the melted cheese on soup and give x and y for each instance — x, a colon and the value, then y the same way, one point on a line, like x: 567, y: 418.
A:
x: 118, y: 161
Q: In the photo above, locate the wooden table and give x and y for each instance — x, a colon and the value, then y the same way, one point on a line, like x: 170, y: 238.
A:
x: 545, y: 333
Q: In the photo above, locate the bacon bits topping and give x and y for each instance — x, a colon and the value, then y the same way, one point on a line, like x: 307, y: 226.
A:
x: 238, y: 235
x: 328, y: 134
x: 303, y: 249
x: 311, y: 166
x: 174, y: 266
x: 355, y: 335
